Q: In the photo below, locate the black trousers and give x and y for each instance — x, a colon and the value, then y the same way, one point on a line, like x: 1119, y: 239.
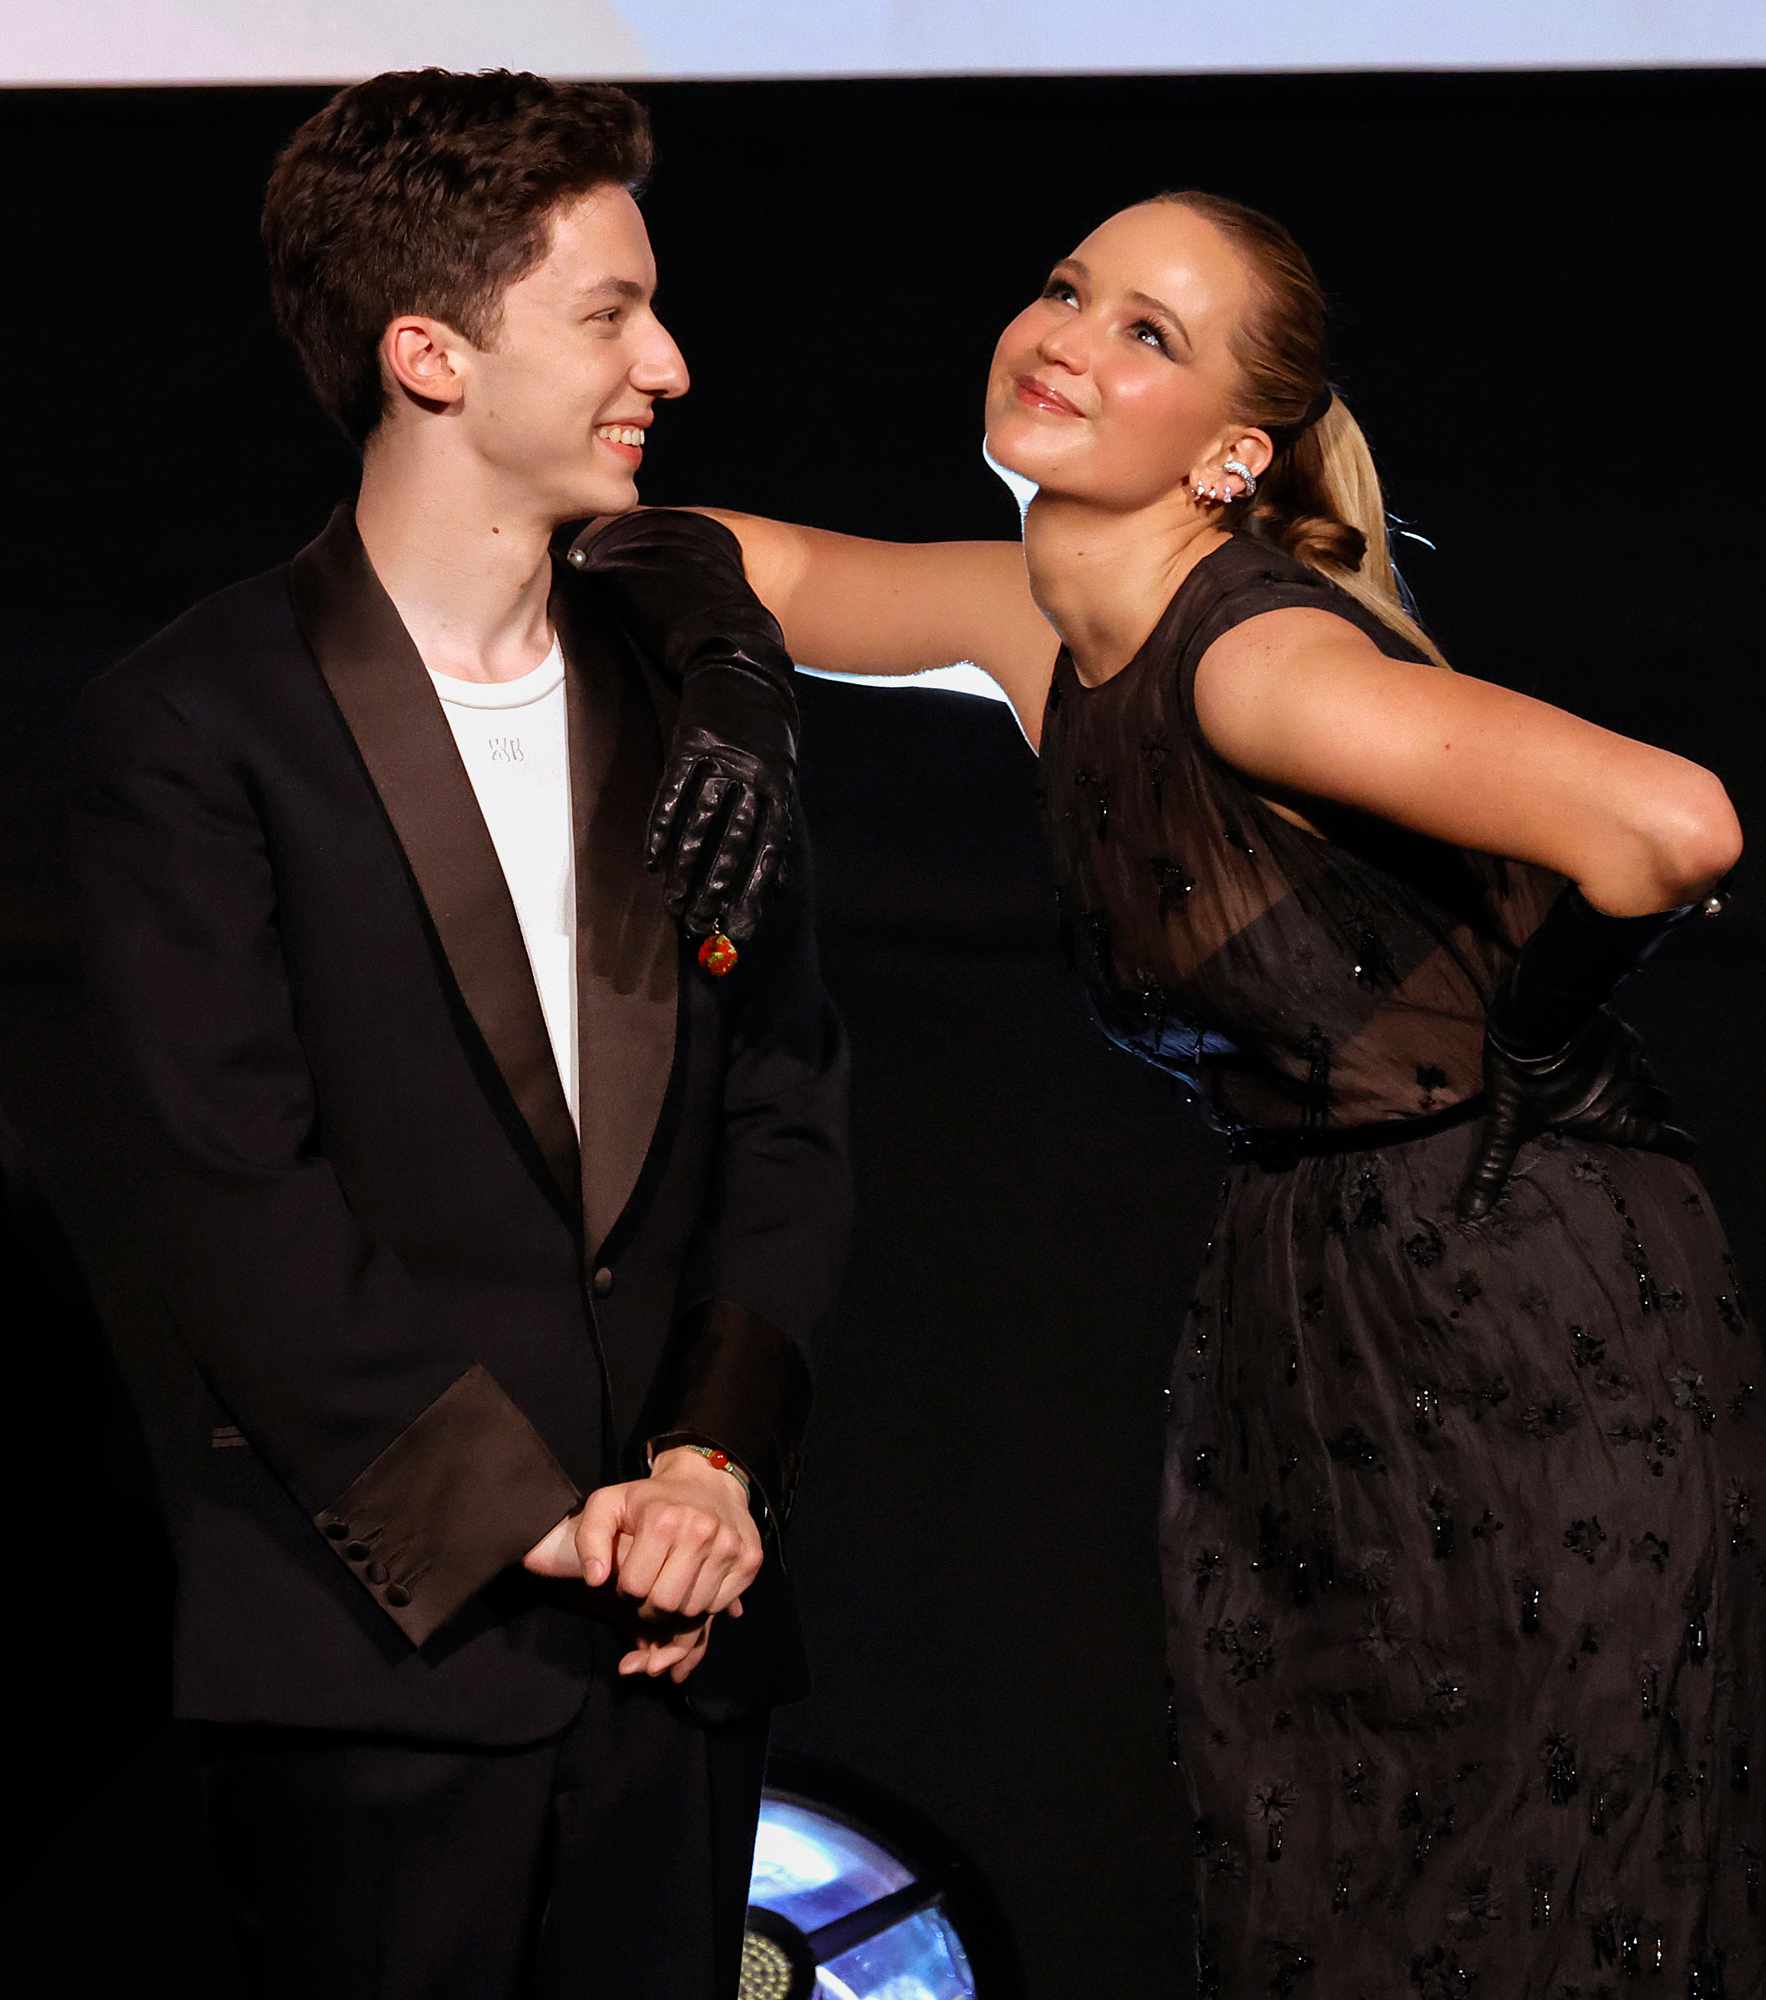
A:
x: 610, y: 1863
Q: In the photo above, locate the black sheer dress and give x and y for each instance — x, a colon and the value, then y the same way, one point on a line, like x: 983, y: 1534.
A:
x: 1462, y: 1569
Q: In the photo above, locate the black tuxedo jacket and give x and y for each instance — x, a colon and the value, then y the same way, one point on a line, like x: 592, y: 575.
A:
x: 386, y: 1320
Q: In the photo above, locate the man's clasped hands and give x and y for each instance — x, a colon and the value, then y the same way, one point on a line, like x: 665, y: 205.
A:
x: 677, y: 1548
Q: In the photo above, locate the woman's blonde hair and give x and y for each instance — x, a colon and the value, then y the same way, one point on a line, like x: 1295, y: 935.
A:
x: 1320, y: 499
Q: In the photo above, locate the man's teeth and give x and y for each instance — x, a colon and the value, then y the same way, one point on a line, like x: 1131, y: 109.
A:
x: 621, y: 434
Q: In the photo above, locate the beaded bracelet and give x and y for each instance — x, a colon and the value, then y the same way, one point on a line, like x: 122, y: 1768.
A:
x: 724, y: 1463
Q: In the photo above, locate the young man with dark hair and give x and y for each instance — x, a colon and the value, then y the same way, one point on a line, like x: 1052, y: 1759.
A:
x: 461, y: 1231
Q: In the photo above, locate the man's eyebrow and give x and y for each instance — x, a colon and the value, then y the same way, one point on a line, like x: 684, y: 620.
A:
x: 616, y: 288
x: 1139, y: 298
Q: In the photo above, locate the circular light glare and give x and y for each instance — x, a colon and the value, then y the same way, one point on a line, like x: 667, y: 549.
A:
x: 844, y: 1915
x: 812, y: 1868
x: 788, y: 1860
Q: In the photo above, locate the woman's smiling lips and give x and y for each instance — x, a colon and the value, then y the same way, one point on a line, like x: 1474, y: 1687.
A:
x: 1041, y: 397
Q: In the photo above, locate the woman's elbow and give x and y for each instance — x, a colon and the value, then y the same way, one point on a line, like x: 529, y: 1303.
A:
x: 1699, y: 835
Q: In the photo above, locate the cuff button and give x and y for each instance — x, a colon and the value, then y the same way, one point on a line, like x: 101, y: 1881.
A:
x: 397, y: 1596
x: 334, y: 1530
x: 357, y: 1552
x: 376, y: 1572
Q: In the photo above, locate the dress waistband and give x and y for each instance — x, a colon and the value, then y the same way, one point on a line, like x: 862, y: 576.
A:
x: 1278, y: 1150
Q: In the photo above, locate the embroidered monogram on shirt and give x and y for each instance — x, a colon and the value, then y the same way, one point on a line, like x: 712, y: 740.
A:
x: 507, y: 750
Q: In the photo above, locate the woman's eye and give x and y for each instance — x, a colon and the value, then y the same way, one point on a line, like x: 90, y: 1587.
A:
x: 1058, y: 288
x: 1146, y: 332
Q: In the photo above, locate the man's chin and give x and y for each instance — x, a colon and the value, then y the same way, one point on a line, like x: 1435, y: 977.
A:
x: 602, y: 501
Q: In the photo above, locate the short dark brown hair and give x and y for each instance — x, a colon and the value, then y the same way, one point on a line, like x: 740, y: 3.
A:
x: 429, y: 192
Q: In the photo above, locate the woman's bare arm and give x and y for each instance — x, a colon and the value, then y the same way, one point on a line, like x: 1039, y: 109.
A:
x: 849, y: 605
x: 1301, y: 702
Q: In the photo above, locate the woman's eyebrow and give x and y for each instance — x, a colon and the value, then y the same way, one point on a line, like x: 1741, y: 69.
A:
x: 1159, y: 306
x: 1137, y: 298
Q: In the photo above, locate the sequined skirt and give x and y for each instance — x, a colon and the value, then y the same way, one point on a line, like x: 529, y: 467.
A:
x: 1464, y: 1583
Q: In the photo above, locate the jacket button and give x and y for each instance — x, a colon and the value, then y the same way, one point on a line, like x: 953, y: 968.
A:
x: 358, y: 1552
x: 397, y: 1596
x: 602, y: 1282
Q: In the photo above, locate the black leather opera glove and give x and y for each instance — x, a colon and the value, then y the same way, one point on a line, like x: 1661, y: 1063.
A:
x: 721, y: 822
x: 1557, y: 1058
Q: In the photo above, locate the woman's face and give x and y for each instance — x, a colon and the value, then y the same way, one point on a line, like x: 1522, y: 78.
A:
x: 1117, y: 385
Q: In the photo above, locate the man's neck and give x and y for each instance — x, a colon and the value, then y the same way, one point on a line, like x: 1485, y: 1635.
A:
x: 468, y: 573
x: 1103, y: 578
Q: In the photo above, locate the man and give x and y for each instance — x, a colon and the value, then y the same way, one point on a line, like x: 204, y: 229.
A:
x: 438, y: 1187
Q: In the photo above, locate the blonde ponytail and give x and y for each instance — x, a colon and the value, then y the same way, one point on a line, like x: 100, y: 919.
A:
x: 1321, y: 502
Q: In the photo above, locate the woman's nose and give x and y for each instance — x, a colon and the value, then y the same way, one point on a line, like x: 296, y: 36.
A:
x: 1063, y: 345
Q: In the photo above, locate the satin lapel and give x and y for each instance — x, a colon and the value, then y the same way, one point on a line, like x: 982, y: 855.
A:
x: 627, y: 947
x: 389, y: 706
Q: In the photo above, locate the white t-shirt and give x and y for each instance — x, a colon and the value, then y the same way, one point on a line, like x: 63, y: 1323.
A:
x: 512, y: 737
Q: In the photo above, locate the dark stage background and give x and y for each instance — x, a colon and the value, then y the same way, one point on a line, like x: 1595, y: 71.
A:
x: 1539, y: 281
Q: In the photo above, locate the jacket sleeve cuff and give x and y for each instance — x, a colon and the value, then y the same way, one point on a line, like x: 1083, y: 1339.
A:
x: 733, y: 1378
x: 462, y: 1492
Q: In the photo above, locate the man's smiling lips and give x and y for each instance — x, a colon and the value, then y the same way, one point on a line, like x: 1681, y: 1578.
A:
x: 1041, y: 397
x: 625, y: 438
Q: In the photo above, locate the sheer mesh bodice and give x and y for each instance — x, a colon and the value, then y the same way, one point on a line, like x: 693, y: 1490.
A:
x: 1294, y: 981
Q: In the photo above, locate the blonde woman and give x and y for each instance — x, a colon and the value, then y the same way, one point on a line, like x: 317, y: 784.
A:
x: 1459, y: 1557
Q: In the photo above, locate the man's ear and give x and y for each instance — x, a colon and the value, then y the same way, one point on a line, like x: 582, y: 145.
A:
x: 424, y: 357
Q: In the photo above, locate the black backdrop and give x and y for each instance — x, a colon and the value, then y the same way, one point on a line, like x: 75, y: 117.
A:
x: 1541, y: 284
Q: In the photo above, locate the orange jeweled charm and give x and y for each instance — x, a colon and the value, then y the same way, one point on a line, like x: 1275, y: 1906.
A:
x: 717, y: 955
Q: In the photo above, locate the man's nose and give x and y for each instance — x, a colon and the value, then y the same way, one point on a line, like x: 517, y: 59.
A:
x: 661, y: 369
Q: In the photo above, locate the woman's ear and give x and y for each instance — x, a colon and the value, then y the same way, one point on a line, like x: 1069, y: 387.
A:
x: 1232, y: 470
x: 1251, y: 448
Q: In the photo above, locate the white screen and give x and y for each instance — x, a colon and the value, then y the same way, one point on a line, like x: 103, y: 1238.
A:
x: 290, y: 41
